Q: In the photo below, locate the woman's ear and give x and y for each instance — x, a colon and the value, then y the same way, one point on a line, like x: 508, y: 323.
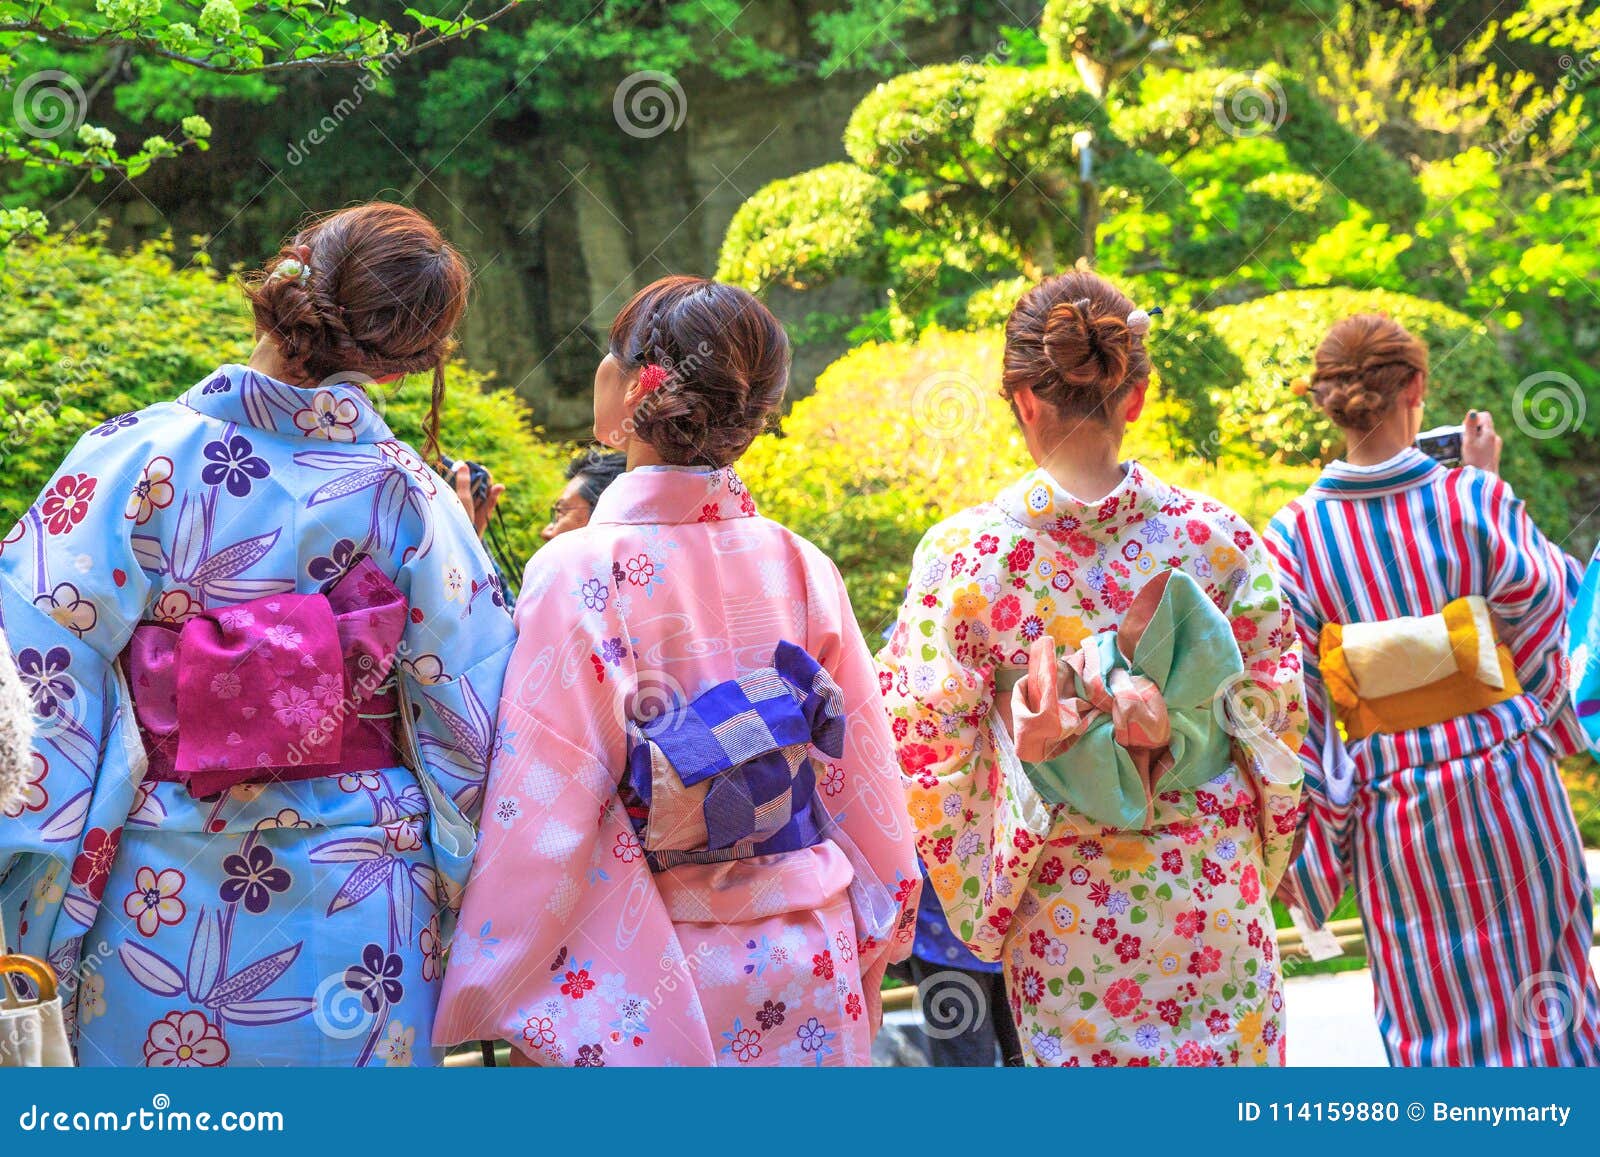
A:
x: 1027, y: 405
x: 1136, y: 400
x: 633, y: 391
x: 1416, y: 389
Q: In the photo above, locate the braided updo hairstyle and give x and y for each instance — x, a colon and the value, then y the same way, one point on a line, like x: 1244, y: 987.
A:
x: 382, y: 294
x: 1068, y: 340
x: 1362, y: 366
x: 725, y: 360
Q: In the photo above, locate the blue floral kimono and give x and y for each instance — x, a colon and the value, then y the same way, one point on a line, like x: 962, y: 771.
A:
x: 264, y: 649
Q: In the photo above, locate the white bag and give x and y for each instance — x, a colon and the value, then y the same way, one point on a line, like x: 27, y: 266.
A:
x: 32, y: 1035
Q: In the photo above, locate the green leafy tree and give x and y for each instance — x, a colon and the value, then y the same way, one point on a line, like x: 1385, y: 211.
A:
x: 968, y: 180
x: 50, y: 48
x: 1221, y: 177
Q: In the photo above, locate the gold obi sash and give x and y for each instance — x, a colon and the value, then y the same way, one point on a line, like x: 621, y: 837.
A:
x: 1403, y: 674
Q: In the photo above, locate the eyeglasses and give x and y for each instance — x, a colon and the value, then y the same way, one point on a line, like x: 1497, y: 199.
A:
x: 558, y: 512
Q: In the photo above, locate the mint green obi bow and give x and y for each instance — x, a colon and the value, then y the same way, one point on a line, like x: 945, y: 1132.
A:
x: 1133, y: 712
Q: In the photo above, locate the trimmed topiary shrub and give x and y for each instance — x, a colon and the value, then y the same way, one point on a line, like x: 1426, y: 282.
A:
x: 807, y: 229
x: 88, y: 333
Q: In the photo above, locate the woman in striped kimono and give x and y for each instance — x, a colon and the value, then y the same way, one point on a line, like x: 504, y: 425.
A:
x: 1432, y: 610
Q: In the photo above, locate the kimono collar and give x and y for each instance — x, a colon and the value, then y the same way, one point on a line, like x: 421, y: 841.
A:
x: 672, y: 495
x: 1407, y: 469
x: 338, y: 412
x: 1039, y: 501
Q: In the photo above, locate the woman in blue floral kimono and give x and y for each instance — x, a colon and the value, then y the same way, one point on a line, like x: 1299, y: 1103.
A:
x: 264, y: 648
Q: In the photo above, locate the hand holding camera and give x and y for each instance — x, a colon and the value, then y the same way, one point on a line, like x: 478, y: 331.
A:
x: 1473, y: 443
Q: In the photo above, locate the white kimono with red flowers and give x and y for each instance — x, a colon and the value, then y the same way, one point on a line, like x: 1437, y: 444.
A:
x: 1122, y: 945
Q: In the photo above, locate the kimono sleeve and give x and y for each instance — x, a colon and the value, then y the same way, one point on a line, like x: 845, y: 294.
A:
x: 1264, y: 626
x: 1321, y: 870
x: 861, y: 792
x: 560, y: 893
x: 980, y: 825
x: 71, y: 591
x: 1585, y: 644
x: 16, y: 736
x: 1531, y: 589
x: 454, y: 651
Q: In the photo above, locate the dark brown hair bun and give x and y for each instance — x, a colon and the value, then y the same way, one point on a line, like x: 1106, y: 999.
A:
x: 365, y: 292
x: 1362, y: 367
x: 726, y: 363
x: 1068, y: 340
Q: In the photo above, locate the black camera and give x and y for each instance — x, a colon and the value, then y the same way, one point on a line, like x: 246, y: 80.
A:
x: 477, y: 474
x: 1442, y: 444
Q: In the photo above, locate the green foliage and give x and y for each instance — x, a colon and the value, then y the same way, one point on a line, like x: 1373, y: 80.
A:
x: 807, y: 230
x: 900, y: 435
x: 1274, y: 339
x: 564, y: 60
x: 46, y: 48
x: 966, y: 185
x: 88, y: 333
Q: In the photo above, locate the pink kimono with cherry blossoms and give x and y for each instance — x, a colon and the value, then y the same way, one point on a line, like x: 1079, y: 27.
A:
x: 695, y: 849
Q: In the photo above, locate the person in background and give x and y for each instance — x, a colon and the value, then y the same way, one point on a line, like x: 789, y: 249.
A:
x: 588, y: 475
x: 1432, y: 613
x: 965, y: 1018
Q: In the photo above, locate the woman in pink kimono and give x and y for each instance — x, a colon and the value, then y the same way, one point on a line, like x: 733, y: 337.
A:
x: 1095, y: 691
x: 695, y: 849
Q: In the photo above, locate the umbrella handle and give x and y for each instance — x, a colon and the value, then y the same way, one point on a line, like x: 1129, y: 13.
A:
x: 42, y: 975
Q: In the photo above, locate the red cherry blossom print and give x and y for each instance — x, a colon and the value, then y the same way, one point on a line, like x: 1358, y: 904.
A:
x: 93, y: 865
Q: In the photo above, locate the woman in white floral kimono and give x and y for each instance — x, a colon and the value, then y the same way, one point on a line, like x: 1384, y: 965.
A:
x: 1095, y: 692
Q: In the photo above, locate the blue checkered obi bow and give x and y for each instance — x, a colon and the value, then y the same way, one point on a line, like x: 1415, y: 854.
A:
x: 728, y: 775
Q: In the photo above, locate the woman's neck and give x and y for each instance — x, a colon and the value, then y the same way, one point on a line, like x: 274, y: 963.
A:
x: 265, y: 359
x: 1086, y: 463
x: 641, y: 453
x: 1381, y: 443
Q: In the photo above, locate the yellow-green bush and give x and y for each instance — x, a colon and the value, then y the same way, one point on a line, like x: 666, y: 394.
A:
x: 900, y: 435
x: 87, y: 333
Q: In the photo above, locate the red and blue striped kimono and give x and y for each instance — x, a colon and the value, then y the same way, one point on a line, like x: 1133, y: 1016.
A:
x: 1458, y: 837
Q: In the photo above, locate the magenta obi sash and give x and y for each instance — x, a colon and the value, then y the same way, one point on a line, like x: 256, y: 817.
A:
x: 285, y: 687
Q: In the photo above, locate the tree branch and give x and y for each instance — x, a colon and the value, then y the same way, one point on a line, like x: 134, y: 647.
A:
x: 144, y: 44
